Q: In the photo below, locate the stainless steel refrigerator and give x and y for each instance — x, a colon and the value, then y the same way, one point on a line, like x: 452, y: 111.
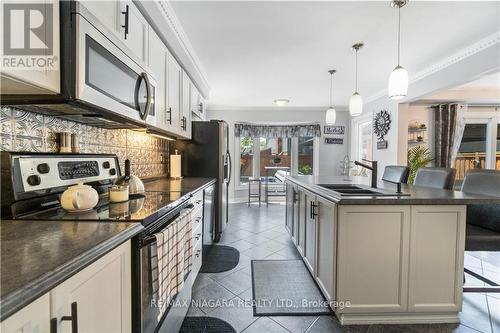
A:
x: 207, y: 155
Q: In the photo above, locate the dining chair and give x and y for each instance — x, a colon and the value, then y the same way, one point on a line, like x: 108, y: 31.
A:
x: 440, y: 178
x: 396, y: 174
x: 482, y: 231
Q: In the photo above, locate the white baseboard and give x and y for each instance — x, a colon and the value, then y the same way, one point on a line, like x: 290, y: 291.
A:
x: 397, y: 318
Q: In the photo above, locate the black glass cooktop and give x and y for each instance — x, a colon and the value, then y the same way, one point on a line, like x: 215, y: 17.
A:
x: 143, y: 208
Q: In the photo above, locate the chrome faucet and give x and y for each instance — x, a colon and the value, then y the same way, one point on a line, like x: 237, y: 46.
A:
x: 372, y: 168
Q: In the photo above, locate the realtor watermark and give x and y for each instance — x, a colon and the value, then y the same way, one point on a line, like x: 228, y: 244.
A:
x: 248, y: 303
x: 28, y: 35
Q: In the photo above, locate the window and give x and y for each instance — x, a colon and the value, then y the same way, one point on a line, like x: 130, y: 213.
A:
x: 255, y: 154
x: 480, y: 145
x: 246, y: 159
x: 274, y: 152
x: 306, y: 157
x: 364, y: 141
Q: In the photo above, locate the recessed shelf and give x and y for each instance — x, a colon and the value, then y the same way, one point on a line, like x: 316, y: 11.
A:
x: 416, y: 130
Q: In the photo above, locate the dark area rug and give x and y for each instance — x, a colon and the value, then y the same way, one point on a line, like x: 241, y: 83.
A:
x: 285, y: 288
x: 219, y: 258
x: 205, y: 325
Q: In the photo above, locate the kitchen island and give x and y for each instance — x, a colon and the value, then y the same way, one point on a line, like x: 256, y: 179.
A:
x: 393, y: 258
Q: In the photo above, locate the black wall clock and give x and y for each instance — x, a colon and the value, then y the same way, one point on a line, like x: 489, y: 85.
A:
x: 382, y: 124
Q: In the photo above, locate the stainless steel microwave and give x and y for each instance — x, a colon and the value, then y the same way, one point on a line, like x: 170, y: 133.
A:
x: 100, y: 82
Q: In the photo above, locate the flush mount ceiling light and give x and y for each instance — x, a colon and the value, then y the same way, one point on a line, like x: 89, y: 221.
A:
x: 398, y: 81
x: 356, y: 102
x: 331, y: 114
x: 281, y: 101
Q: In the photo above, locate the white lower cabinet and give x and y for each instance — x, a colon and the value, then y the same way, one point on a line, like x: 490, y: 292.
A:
x: 372, y: 257
x: 325, y: 247
x: 391, y: 263
x: 436, y: 258
x: 310, y: 231
x: 33, y: 318
x: 301, y: 230
x: 98, y: 298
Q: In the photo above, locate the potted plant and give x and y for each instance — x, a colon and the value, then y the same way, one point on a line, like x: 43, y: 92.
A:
x: 418, y: 157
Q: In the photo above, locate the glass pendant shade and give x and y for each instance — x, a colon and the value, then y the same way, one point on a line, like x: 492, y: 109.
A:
x: 355, y: 105
x: 398, y: 83
x: 331, y: 116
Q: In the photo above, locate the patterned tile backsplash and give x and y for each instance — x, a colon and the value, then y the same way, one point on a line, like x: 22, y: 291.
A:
x: 29, y: 131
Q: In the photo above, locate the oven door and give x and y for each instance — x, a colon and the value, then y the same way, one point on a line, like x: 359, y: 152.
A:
x: 106, y: 77
x: 152, y: 311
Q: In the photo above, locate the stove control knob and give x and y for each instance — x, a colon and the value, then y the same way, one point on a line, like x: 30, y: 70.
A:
x: 43, y: 168
x: 34, y: 180
x: 106, y: 165
x: 112, y: 172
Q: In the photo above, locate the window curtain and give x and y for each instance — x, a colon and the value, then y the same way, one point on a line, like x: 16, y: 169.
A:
x: 449, y: 122
x: 279, y: 131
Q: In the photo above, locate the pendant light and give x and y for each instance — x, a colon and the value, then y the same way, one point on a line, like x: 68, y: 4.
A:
x: 331, y: 114
x: 356, y: 102
x: 398, y: 81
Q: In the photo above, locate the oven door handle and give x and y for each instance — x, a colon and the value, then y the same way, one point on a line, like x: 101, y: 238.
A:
x: 151, y: 237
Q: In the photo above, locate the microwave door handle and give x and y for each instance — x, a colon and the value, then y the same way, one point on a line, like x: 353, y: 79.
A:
x: 148, y: 96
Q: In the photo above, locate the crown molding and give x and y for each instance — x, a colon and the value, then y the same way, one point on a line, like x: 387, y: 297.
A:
x: 456, y: 57
x: 235, y: 108
x: 163, y: 19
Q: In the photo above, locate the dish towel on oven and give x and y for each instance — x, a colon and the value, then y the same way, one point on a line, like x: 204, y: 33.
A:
x: 174, y: 252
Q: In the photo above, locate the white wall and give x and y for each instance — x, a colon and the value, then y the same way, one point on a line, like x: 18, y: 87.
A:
x: 453, y: 74
x: 329, y: 155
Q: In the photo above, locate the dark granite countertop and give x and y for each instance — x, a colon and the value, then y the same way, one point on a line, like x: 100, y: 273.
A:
x: 417, y: 195
x: 187, y: 184
x: 38, y: 255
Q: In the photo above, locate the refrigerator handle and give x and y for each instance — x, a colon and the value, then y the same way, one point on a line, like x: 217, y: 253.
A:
x: 230, y: 167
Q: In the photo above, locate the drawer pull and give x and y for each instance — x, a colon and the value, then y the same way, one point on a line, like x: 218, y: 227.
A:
x: 197, y: 236
x: 73, y: 318
x: 198, y: 219
x: 198, y: 253
x: 198, y: 202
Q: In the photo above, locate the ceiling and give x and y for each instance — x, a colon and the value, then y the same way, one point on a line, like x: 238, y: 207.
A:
x: 254, y: 52
x: 488, y: 81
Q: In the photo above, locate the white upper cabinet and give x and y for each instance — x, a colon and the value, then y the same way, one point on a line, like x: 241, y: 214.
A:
x: 157, y: 61
x: 186, y: 106
x: 174, y: 91
x: 126, y: 21
x: 133, y: 29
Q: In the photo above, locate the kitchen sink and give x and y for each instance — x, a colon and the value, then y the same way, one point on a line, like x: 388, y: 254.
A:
x: 336, y: 187
x: 354, y: 190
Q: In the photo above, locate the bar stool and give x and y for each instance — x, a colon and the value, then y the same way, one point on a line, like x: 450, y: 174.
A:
x: 254, y: 195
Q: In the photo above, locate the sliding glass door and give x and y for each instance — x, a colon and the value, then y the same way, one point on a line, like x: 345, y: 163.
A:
x: 480, y: 145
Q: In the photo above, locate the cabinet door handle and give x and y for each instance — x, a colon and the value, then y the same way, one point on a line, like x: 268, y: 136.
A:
x: 126, y: 13
x: 313, y: 210
x: 198, y: 253
x: 73, y: 318
x: 53, y: 325
x: 169, y: 115
x: 197, y: 236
